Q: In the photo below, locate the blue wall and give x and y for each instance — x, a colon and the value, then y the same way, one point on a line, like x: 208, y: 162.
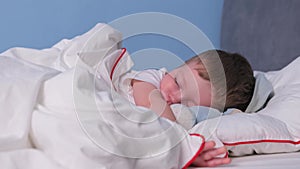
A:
x: 40, y: 24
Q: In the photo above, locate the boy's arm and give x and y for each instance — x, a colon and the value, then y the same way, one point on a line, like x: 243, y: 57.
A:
x: 147, y: 95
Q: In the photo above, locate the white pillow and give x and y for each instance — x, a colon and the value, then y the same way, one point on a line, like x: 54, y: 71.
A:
x: 274, y: 129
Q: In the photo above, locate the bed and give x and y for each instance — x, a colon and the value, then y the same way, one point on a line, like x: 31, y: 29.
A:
x: 56, y: 124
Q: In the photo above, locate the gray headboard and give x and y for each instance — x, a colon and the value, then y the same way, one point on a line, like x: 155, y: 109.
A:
x: 266, y: 32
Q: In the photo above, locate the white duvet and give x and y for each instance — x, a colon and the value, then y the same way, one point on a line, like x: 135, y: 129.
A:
x: 61, y: 112
x: 58, y: 111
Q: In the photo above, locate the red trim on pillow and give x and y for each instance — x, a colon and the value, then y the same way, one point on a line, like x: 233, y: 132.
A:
x: 116, y: 63
x: 262, y: 141
x: 197, y: 153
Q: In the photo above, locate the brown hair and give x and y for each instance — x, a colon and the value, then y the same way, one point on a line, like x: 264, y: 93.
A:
x: 237, y: 89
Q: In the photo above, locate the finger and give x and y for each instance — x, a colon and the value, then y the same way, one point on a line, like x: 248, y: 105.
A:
x: 213, y: 153
x: 200, y: 162
x: 209, y: 145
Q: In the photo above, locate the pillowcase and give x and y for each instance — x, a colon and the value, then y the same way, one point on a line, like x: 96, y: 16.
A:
x: 263, y: 90
x: 273, y: 129
x: 187, y: 117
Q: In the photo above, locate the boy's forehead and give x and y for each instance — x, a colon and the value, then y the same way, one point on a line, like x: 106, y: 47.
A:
x: 187, y: 76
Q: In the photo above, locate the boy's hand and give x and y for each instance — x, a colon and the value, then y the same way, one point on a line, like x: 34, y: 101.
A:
x: 147, y: 95
x: 208, y: 157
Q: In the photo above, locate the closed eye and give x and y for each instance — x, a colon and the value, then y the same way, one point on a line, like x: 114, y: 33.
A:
x: 176, y: 82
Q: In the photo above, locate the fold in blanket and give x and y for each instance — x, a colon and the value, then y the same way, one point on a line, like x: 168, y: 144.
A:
x: 61, y: 103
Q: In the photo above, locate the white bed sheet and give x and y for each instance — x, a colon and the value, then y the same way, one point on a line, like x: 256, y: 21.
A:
x: 265, y: 161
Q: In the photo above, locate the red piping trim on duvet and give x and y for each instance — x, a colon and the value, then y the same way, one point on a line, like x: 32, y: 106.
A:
x: 197, y: 153
x: 116, y: 63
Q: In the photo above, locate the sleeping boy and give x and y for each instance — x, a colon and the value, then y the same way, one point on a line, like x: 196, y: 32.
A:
x: 191, y: 84
x: 230, y: 85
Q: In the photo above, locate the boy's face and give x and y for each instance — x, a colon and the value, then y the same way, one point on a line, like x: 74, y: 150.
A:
x: 184, y: 85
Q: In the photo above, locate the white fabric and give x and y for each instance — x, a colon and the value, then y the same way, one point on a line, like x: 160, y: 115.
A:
x: 262, y: 91
x: 153, y: 76
x: 66, y: 114
x: 270, y: 161
x: 184, y: 116
x: 19, y: 86
x: 274, y: 129
x: 91, y: 47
